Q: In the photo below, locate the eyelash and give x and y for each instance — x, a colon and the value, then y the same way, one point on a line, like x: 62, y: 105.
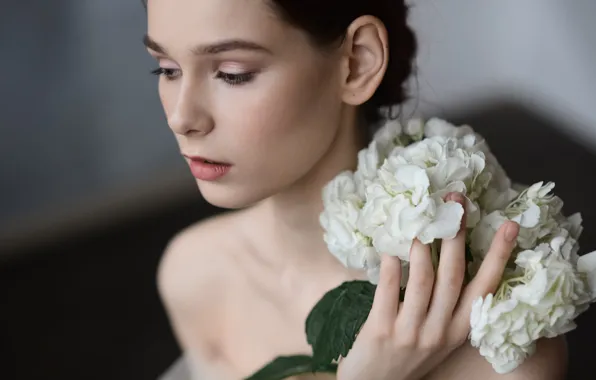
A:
x: 235, y: 79
x: 169, y: 74
x: 230, y: 79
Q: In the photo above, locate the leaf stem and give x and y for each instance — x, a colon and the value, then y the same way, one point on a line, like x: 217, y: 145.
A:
x: 435, y: 255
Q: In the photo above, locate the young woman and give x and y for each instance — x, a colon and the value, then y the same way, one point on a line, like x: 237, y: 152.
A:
x: 269, y: 100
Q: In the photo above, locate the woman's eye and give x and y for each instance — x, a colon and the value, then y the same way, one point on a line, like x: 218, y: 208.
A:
x: 235, y: 79
x: 169, y: 74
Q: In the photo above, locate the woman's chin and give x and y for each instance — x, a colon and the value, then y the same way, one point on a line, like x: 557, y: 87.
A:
x: 228, y: 198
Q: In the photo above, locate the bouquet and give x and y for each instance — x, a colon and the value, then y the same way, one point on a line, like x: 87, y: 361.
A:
x: 397, y: 195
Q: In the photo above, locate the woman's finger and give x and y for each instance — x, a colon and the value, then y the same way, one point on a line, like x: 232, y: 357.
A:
x: 386, y: 299
x: 489, y: 275
x: 418, y: 289
x: 450, y: 274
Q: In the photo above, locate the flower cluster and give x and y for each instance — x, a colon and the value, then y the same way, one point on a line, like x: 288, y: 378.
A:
x: 397, y: 195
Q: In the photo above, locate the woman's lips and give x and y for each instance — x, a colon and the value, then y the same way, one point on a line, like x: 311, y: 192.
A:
x: 206, y: 169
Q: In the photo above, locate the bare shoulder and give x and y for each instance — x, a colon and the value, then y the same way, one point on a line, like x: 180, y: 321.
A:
x: 548, y: 363
x: 193, y: 265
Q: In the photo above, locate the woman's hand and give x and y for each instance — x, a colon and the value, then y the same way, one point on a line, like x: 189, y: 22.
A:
x: 406, y: 340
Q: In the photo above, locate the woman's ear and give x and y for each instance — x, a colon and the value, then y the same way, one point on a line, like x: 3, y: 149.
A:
x: 365, y: 59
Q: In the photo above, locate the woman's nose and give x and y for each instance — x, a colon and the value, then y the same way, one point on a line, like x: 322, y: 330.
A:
x: 189, y: 115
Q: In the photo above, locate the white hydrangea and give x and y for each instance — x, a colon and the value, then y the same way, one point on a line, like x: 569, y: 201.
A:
x: 397, y: 195
x: 340, y: 218
x: 473, y: 142
x: 389, y: 136
x: 369, y: 161
x: 412, y: 210
x: 537, y: 212
x: 504, y: 332
x: 540, y: 299
x: 438, y: 127
x: 450, y: 167
x: 552, y: 286
x: 415, y: 129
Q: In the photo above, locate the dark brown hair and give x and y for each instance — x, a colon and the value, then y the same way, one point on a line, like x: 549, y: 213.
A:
x: 326, y: 22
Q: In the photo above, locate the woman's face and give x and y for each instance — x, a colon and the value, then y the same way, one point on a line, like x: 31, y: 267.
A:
x: 240, y: 86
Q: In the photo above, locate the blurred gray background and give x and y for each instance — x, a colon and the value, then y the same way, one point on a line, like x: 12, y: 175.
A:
x: 92, y: 186
x: 81, y: 121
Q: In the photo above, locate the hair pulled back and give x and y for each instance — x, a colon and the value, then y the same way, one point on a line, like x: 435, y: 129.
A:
x: 326, y: 23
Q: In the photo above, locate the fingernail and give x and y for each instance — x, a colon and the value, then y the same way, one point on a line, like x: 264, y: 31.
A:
x: 511, y: 231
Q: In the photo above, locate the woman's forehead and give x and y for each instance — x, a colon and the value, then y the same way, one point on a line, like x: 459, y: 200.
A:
x: 206, y: 21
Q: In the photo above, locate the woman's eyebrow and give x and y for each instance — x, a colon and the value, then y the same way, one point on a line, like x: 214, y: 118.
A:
x: 210, y: 49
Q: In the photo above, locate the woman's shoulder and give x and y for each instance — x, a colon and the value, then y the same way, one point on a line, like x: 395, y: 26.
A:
x: 195, y: 280
x: 194, y: 262
x: 549, y: 362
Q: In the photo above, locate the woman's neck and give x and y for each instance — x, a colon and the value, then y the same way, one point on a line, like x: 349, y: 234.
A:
x: 292, y: 216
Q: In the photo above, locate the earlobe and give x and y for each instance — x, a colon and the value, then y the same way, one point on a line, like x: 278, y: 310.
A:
x: 366, y: 58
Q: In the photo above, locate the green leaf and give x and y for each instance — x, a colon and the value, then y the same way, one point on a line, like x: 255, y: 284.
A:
x: 469, y: 257
x: 285, y: 366
x: 334, y: 322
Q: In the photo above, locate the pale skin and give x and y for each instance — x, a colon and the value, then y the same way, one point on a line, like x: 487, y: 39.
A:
x: 238, y: 287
